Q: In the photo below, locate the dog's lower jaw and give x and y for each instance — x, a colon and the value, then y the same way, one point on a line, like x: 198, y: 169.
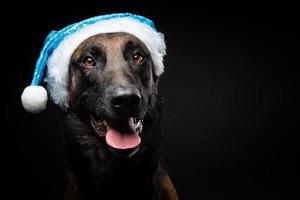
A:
x: 127, y: 153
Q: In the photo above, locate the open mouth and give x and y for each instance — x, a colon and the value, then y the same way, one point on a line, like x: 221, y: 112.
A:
x: 120, y: 134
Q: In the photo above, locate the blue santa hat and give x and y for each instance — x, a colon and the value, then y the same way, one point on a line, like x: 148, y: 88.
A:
x: 53, y: 62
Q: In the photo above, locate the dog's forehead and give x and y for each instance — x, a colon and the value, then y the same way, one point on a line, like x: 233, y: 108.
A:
x: 109, y: 41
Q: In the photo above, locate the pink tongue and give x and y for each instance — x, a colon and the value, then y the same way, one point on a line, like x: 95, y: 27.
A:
x: 119, y: 140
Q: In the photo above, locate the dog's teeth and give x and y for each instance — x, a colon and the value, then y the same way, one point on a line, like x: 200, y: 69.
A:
x: 139, y: 126
x: 104, y: 122
x: 138, y: 123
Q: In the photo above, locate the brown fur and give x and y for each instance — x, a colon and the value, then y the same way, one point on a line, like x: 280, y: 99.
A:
x: 115, y: 72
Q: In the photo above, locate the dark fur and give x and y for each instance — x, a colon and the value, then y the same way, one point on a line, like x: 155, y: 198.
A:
x: 95, y: 172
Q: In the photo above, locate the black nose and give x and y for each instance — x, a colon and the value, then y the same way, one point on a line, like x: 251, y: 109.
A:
x: 125, y: 98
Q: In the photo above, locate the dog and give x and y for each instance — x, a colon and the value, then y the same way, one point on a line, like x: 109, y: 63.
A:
x: 113, y: 123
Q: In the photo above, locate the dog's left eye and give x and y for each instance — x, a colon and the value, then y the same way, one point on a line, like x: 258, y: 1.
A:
x: 88, y: 62
x: 138, y: 58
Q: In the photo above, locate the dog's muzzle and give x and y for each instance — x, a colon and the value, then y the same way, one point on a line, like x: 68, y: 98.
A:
x: 120, y: 134
x: 121, y: 130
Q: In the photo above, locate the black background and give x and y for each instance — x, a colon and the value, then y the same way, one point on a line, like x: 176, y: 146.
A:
x: 230, y: 89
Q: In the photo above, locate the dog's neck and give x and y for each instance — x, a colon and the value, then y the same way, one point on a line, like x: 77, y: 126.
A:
x: 94, y: 171
x: 127, y: 180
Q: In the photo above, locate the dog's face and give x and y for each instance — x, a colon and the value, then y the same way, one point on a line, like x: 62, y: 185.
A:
x: 112, y: 85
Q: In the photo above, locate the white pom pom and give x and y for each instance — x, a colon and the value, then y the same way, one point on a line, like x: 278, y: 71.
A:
x: 34, y: 98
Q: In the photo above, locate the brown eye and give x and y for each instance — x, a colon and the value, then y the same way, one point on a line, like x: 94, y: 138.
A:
x: 138, y: 58
x: 88, y: 62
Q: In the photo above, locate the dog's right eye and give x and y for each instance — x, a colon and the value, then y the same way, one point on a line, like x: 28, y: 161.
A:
x: 138, y: 58
x: 88, y: 62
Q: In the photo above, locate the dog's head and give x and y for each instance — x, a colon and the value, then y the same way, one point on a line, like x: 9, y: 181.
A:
x: 112, y: 85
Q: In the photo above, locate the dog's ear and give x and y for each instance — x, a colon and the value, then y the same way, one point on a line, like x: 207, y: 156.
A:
x: 72, y: 88
x: 154, y: 80
x: 72, y: 85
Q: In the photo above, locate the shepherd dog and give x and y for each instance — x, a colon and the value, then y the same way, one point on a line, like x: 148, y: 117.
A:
x: 113, y: 123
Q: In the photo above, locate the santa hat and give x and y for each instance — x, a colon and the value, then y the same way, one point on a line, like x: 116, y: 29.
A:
x: 59, y: 46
